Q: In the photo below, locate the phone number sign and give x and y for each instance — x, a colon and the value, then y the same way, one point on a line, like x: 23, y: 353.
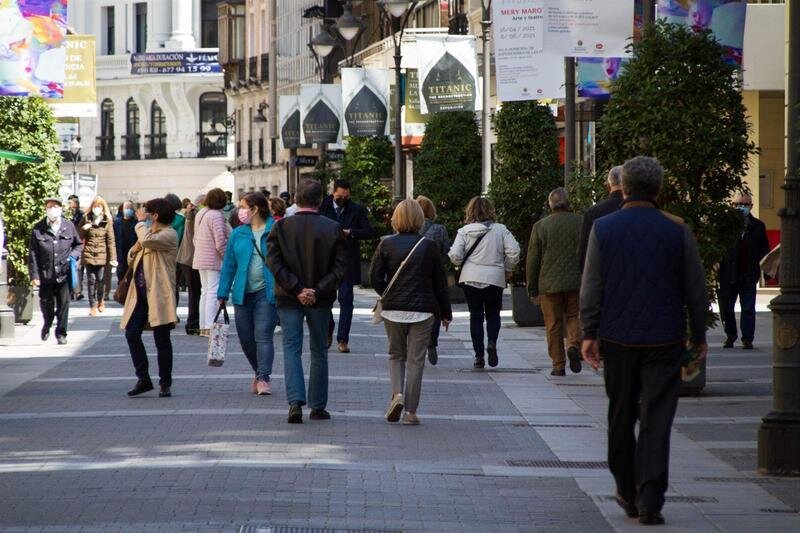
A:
x: 175, y: 63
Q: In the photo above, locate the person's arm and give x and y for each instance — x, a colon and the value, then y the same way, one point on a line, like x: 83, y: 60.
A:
x: 332, y: 279
x: 586, y: 228
x: 440, y: 287
x: 457, y: 251
x: 377, y: 270
x: 763, y: 248
x: 77, y: 243
x: 158, y: 240
x: 33, y: 258
x: 444, y: 241
x: 111, y: 243
x: 592, y: 287
x: 533, y: 263
x: 512, y: 250
x: 362, y: 229
x: 695, y: 294
x: 277, y: 264
x: 227, y: 273
x: 220, y: 233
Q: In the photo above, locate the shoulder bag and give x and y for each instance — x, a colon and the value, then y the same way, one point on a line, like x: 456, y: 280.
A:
x: 378, y: 308
x: 121, y: 292
x: 469, y: 253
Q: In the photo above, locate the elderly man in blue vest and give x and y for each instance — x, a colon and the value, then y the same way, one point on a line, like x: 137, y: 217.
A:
x: 642, y: 274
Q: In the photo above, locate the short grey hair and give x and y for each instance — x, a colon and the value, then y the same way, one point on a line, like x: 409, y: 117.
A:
x: 558, y: 199
x: 642, y: 176
x: 615, y: 176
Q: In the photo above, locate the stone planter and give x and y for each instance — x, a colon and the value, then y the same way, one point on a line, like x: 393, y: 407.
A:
x: 23, y: 300
x: 525, y: 312
x: 694, y: 387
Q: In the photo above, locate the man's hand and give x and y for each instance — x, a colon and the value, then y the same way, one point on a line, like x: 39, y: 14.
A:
x: 591, y: 353
x: 346, y: 232
x: 446, y: 323
x: 35, y: 282
x: 307, y: 297
x: 87, y: 226
x: 701, y: 350
x: 535, y: 300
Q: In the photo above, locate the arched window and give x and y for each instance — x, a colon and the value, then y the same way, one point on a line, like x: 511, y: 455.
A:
x: 213, y: 131
x: 131, y: 136
x: 105, y: 143
x: 158, y: 132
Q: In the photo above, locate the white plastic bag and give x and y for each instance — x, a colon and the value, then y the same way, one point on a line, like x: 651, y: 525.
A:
x: 218, y: 338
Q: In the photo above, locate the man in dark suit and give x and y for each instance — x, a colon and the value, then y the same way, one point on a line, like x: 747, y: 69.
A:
x: 352, y: 217
x: 603, y: 208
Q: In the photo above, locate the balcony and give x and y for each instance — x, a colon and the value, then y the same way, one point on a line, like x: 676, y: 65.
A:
x: 105, y: 148
x: 213, y: 144
x: 157, y: 145
x: 252, y: 70
x: 264, y: 67
x: 131, y: 147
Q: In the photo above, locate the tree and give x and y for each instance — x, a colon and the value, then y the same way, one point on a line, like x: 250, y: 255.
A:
x: 448, y: 167
x: 527, y: 169
x: 323, y: 171
x: 28, y: 126
x: 679, y: 101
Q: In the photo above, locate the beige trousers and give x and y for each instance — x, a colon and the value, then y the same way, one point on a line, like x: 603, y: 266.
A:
x: 408, y: 345
x: 556, y: 308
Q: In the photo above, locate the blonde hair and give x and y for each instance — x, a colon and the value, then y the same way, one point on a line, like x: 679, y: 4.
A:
x: 408, y: 217
x: 480, y: 209
x: 99, y: 200
x: 428, y: 209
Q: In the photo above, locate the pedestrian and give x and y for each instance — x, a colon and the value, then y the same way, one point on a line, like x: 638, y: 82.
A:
x: 278, y: 208
x: 75, y: 215
x: 739, y: 273
x: 486, y: 253
x: 54, y: 240
x: 124, y: 236
x: 412, y: 304
x: 251, y: 287
x: 179, y: 225
x: 229, y: 208
x: 553, y: 270
x: 352, y: 217
x: 634, y: 299
x: 286, y: 197
x: 308, y: 256
x: 150, y: 302
x: 99, y: 249
x: 192, y: 275
x: 109, y: 270
x: 211, y: 232
x: 602, y: 208
x: 438, y: 234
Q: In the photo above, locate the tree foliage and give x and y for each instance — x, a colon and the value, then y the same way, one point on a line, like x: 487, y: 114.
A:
x: 527, y: 169
x: 26, y: 125
x: 679, y: 101
x: 448, y: 167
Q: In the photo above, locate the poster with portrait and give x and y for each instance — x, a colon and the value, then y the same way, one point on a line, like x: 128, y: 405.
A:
x: 596, y: 74
x: 365, y: 93
x: 587, y: 28
x: 320, y: 113
x: 448, y: 73
x: 725, y: 19
x: 289, y: 111
x: 32, y: 47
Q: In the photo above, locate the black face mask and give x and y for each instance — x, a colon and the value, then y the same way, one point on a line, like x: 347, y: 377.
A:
x: 342, y: 202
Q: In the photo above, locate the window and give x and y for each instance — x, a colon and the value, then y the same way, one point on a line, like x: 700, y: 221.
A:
x: 141, y: 27
x: 108, y: 32
x: 158, y: 133
x: 131, y: 137
x: 213, y: 131
x: 208, y: 24
x: 105, y: 143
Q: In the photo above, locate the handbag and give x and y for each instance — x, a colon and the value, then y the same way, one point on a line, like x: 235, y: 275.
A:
x: 218, y: 338
x: 378, y: 307
x: 121, y: 292
x: 469, y: 253
x: 73, y: 273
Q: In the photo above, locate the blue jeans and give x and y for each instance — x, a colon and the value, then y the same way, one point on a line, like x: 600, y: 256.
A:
x: 292, y: 324
x: 256, y: 319
x: 345, y: 297
x: 745, y: 291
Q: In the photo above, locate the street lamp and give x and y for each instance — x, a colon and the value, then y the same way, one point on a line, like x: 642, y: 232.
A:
x: 75, y: 148
x: 400, y: 11
x: 486, y: 24
x: 348, y: 26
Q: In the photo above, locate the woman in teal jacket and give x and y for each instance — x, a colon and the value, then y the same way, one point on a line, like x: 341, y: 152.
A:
x: 250, y: 284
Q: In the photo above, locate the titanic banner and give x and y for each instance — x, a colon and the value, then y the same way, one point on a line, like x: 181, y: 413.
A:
x: 448, y: 73
x: 320, y: 112
x: 365, y: 94
x: 289, y: 107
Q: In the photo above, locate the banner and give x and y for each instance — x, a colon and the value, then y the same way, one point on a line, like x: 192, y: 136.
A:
x: 587, y: 28
x: 725, y: 19
x: 595, y: 75
x: 86, y: 188
x: 320, y: 112
x: 289, y: 108
x: 80, y: 93
x: 175, y: 63
x: 66, y: 188
x: 32, y: 52
x: 413, y: 119
x: 364, y: 99
x: 448, y: 73
x: 524, y: 70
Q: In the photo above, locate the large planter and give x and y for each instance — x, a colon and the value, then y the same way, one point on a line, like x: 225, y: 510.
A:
x: 694, y: 387
x: 365, y: 275
x: 23, y: 301
x: 525, y: 312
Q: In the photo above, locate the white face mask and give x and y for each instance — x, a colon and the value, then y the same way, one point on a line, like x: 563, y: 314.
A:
x: 97, y: 211
x: 53, y: 213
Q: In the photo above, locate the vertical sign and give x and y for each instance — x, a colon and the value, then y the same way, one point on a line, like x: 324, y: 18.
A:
x: 80, y: 93
x: 414, y: 121
x: 320, y: 112
x: 364, y: 94
x: 448, y: 73
x: 290, y: 121
x: 588, y: 28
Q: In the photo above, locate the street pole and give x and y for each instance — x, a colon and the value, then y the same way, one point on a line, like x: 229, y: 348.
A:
x: 272, y: 70
x: 648, y: 12
x: 569, y: 118
x: 779, y: 434
x: 399, y: 182
x: 486, y: 23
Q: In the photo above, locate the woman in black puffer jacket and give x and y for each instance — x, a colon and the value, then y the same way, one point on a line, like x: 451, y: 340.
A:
x: 410, y: 306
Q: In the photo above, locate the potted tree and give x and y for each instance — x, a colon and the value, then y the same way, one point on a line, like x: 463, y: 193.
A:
x: 29, y: 128
x: 526, y: 170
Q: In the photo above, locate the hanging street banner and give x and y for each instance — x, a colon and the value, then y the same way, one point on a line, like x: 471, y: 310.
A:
x: 587, y: 28
x: 175, y: 63
x: 448, y: 73
x: 32, y: 48
x: 524, y: 70
x: 80, y: 89
x: 364, y: 99
x: 413, y: 120
x: 725, y: 19
x: 289, y: 108
x: 320, y: 112
x: 595, y: 75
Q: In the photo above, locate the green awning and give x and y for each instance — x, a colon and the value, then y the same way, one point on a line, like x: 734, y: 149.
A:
x: 16, y: 156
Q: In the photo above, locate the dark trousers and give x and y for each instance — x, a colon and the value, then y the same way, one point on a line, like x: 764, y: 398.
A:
x: 54, y: 302
x: 483, y: 304
x: 107, y: 281
x: 745, y: 291
x: 641, y: 383
x: 133, y: 334
x: 193, y: 288
x: 345, y: 297
x: 95, y: 274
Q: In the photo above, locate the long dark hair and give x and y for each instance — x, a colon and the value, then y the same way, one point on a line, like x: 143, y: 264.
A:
x: 259, y: 201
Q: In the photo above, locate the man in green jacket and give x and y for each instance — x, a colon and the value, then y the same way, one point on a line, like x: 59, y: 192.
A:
x: 554, y: 279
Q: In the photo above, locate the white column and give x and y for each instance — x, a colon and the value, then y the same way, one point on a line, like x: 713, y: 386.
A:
x: 182, y: 37
x: 159, y: 16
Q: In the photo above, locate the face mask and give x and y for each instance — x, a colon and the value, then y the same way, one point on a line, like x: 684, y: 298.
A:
x: 245, y: 216
x: 97, y: 211
x: 342, y: 202
x: 53, y: 213
x: 745, y: 209
x: 128, y: 213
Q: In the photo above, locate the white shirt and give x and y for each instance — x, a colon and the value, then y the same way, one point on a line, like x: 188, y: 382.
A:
x: 405, y: 317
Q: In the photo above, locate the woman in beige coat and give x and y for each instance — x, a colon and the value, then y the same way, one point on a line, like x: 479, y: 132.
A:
x: 151, y: 295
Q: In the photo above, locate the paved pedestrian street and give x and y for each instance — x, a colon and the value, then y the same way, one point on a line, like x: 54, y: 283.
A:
x: 508, y: 449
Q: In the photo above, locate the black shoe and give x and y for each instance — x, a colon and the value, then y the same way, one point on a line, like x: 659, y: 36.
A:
x: 433, y: 355
x: 295, y: 414
x: 557, y: 372
x: 192, y: 331
x: 629, y: 508
x: 574, y: 356
x: 61, y: 339
x: 45, y: 334
x: 79, y: 297
x: 479, y: 362
x: 164, y: 391
x: 319, y: 414
x: 649, y: 518
x: 491, y: 349
x: 141, y: 387
x: 729, y: 342
x: 747, y: 345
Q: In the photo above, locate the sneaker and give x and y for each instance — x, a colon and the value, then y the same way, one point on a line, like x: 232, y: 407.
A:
x: 263, y: 388
x: 395, y: 408
x: 728, y: 342
x: 410, y: 419
x: 343, y: 348
x: 491, y: 349
x: 62, y: 340
x: 319, y: 414
x: 747, y: 345
x: 45, y: 334
x: 479, y: 362
x: 574, y: 356
x: 164, y: 391
x: 558, y: 372
x: 433, y: 355
x: 295, y: 414
x: 141, y: 387
x: 254, y: 387
x: 649, y: 518
x: 93, y: 311
x: 101, y: 307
